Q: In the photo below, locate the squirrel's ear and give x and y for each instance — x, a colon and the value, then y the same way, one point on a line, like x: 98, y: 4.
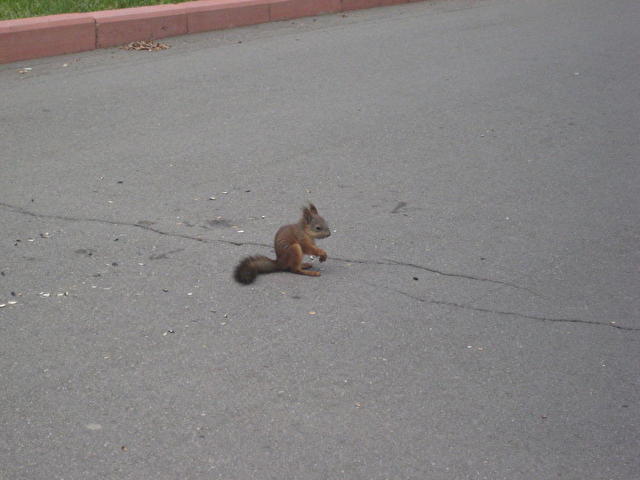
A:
x: 313, y: 208
x: 307, y: 216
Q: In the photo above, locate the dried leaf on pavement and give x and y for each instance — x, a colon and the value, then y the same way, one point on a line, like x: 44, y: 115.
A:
x: 145, y: 45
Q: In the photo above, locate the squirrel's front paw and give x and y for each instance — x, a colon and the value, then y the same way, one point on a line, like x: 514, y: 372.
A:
x: 323, y: 256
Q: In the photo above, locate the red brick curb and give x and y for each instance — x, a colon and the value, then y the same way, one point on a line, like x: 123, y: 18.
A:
x: 28, y: 38
x: 43, y: 36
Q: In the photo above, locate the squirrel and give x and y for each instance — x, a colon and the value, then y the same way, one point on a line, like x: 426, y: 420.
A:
x: 291, y: 243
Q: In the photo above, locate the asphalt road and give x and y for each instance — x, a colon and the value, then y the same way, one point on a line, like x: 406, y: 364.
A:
x: 479, y: 314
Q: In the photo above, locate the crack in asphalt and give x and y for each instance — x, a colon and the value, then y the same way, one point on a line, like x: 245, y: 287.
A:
x: 24, y: 211
x: 149, y: 228
x: 507, y: 313
x: 437, y: 272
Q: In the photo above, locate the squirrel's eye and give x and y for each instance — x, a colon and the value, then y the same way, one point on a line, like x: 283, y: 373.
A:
x: 317, y: 227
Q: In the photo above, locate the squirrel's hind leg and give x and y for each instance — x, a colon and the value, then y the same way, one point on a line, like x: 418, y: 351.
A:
x: 311, y: 273
x: 295, y: 262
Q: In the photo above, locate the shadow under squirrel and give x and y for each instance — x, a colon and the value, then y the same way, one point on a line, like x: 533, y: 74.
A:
x: 291, y: 243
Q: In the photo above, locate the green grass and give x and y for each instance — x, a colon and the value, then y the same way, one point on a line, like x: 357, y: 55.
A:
x: 34, y: 8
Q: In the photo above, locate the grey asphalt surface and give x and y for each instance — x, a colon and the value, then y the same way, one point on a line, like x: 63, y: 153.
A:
x: 479, y: 314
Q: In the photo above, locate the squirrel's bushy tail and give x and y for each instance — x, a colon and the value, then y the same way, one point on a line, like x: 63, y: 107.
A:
x: 249, y: 268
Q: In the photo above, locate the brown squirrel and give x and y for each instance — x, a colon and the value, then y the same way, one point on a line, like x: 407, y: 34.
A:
x: 291, y: 243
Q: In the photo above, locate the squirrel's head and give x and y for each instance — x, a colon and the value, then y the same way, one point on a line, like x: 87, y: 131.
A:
x: 314, y: 224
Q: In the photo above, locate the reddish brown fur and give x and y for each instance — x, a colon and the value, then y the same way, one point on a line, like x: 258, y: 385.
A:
x: 292, y: 242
